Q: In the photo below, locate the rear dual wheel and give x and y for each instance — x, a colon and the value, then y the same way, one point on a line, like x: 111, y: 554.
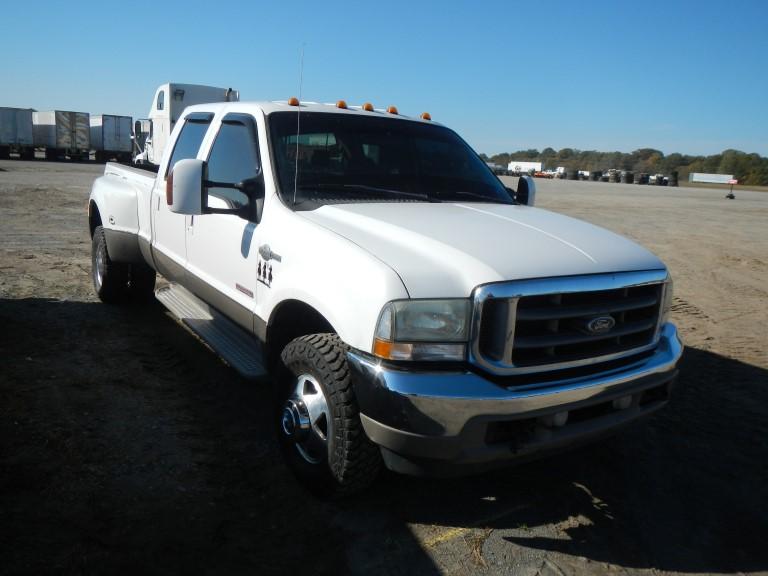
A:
x: 118, y: 282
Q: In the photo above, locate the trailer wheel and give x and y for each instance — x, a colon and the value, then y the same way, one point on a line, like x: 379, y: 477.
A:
x: 319, y: 426
x: 110, y: 279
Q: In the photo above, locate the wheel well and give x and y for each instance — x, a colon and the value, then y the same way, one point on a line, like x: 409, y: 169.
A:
x: 290, y: 320
x: 94, y: 217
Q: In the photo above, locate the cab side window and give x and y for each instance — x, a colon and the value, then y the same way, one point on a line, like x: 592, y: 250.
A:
x: 188, y: 143
x: 234, y: 157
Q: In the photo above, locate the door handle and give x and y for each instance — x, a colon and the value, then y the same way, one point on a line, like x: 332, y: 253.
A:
x: 266, y: 253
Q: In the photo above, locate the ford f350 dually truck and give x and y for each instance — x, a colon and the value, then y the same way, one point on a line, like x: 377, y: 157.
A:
x: 412, y: 311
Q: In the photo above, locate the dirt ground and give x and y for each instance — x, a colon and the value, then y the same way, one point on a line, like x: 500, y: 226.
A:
x: 126, y: 446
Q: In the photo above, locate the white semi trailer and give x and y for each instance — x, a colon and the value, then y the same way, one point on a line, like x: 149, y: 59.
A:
x: 170, y: 101
x: 111, y: 137
x: 16, y: 133
x: 62, y: 133
x: 524, y: 167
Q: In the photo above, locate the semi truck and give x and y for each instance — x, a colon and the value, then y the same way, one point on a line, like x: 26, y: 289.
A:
x: 411, y: 311
x: 111, y: 137
x: 16, y: 133
x: 167, y: 106
x: 62, y: 133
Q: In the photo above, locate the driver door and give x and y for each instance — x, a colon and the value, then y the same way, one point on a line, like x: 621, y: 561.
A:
x: 222, y: 249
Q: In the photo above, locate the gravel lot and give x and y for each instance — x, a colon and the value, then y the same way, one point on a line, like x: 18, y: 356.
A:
x: 126, y: 446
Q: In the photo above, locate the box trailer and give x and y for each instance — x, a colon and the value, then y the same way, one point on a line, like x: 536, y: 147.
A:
x: 63, y: 133
x: 111, y: 137
x: 524, y: 167
x: 710, y: 178
x: 16, y: 133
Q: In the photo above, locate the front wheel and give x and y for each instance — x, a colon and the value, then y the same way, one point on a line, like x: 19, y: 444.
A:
x: 319, y: 424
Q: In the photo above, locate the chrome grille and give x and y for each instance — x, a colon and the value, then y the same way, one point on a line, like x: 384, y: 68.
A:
x: 536, y: 325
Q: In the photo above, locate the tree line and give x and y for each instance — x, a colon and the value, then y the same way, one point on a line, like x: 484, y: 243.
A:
x: 747, y: 168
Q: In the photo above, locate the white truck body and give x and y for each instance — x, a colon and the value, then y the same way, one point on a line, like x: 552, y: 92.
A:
x: 167, y: 106
x: 558, y: 315
x: 111, y: 135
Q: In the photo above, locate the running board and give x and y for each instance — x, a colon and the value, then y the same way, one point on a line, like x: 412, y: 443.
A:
x: 241, y: 350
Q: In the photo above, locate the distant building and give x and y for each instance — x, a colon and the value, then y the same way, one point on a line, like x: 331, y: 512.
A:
x: 710, y: 178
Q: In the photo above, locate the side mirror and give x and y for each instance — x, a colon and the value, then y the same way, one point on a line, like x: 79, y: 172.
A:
x: 253, y: 188
x: 526, y: 191
x: 184, y: 187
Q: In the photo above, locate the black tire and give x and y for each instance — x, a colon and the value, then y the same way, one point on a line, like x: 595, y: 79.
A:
x: 349, y: 462
x: 110, y: 279
x: 141, y: 284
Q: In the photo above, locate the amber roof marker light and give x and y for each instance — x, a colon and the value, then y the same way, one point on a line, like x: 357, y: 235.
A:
x: 426, y: 116
x: 368, y: 107
x: 392, y: 110
x: 341, y: 104
x: 293, y: 101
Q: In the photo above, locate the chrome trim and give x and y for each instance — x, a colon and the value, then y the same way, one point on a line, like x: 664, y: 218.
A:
x: 514, y: 290
x: 448, y: 400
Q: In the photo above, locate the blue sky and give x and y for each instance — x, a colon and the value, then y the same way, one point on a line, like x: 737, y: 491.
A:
x: 685, y: 77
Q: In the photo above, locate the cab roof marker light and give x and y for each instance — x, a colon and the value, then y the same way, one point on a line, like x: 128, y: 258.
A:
x: 341, y: 104
x: 426, y: 116
x: 293, y: 101
x: 392, y: 110
x: 368, y: 107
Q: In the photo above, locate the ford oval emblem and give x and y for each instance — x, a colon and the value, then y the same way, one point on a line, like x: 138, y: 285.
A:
x: 600, y: 325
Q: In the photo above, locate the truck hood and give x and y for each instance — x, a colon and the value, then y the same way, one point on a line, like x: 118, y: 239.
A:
x: 445, y: 250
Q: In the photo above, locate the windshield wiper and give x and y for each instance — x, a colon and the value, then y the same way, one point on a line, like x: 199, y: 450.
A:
x: 481, y: 196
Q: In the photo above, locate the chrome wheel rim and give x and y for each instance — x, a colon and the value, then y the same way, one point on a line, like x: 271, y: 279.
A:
x: 306, y: 420
x: 98, y: 270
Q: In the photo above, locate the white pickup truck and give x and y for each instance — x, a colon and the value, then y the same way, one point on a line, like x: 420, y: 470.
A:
x: 413, y: 311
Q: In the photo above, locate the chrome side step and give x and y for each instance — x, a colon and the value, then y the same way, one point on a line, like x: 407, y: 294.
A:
x: 241, y: 350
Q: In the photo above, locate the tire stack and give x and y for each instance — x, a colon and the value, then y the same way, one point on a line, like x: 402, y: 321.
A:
x: 595, y: 176
x: 573, y: 175
x: 673, y: 178
x: 613, y: 177
x: 642, y: 178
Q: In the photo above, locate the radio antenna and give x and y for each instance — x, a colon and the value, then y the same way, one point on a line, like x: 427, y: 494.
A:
x: 298, y: 125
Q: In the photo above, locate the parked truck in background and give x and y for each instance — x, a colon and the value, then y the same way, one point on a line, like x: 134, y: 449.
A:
x: 411, y: 311
x: 111, y: 137
x: 167, y: 106
x: 62, y: 133
x: 16, y: 134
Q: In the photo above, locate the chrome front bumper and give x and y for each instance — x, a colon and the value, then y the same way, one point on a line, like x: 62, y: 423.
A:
x: 430, y: 422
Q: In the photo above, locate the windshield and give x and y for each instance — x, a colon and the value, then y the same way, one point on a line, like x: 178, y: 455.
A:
x: 346, y: 158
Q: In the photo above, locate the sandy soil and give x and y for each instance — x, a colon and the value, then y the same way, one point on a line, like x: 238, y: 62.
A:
x: 125, y: 446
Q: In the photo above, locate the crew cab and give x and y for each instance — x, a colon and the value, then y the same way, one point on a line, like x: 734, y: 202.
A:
x: 412, y: 311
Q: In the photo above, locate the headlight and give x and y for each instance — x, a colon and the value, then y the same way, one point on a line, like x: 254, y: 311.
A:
x: 666, y: 302
x: 423, y: 330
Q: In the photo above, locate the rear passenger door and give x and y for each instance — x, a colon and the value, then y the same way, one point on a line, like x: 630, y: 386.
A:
x: 222, y: 249
x: 169, y: 228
